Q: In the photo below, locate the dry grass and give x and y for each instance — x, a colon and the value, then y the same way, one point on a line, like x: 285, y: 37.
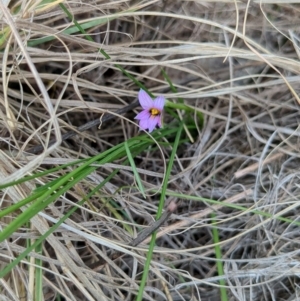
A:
x: 246, y: 153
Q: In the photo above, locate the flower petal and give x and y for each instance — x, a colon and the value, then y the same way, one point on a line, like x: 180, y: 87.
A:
x: 159, y: 103
x: 145, y: 100
x: 159, y: 122
x: 144, y: 124
x: 152, y: 122
x: 143, y: 115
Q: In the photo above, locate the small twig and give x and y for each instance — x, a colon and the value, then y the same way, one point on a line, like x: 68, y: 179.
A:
x: 154, y: 226
x: 38, y: 148
x: 144, y: 234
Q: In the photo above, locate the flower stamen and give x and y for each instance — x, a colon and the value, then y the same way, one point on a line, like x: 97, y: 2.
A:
x: 154, y: 112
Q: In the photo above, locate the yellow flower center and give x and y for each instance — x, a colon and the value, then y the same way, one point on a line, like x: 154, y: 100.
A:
x: 154, y: 112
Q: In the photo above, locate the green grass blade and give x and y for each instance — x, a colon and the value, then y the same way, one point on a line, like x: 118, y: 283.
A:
x: 219, y: 263
x: 59, y: 187
x: 158, y: 214
x: 20, y: 204
x: 38, y: 288
x: 16, y: 261
x: 135, y: 172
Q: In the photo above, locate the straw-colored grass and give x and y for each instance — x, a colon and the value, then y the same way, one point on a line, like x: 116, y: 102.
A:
x: 234, y: 189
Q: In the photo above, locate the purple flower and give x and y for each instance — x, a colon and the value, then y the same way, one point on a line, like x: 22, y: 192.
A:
x: 151, y: 115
